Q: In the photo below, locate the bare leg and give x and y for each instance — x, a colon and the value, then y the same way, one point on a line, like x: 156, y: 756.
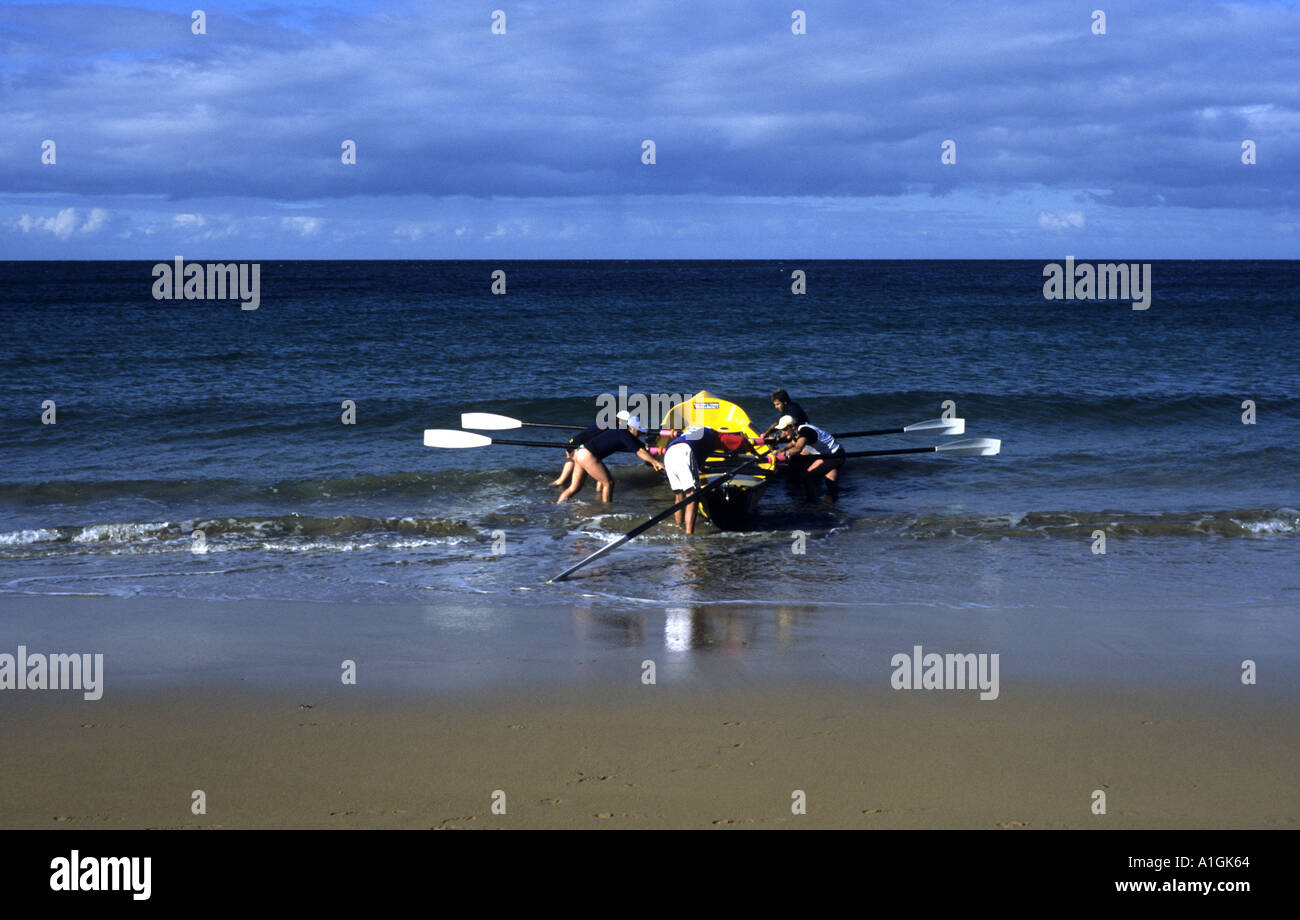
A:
x: 604, y: 481
x: 579, y: 477
x: 563, y: 478
x: 677, y: 515
x: 587, y: 465
x: 690, y: 513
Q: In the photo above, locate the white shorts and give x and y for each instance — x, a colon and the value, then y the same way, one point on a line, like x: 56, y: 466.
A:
x: 679, y: 464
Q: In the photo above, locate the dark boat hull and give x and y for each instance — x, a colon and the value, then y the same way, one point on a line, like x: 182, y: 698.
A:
x: 731, y: 507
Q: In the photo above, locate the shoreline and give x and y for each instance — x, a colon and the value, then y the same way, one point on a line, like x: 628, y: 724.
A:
x: 437, y: 649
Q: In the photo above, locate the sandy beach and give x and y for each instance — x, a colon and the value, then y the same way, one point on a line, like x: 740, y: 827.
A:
x: 650, y: 757
x: 246, y: 701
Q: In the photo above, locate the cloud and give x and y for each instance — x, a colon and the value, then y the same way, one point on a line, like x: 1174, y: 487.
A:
x: 65, y: 223
x: 737, y: 105
x: 1060, y: 220
x: 95, y: 221
x: 516, y: 140
x: 303, y: 226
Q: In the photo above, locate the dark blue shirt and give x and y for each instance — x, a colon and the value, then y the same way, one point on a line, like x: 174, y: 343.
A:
x: 707, y: 441
x: 611, y: 441
x: 585, y: 435
x: 795, y: 411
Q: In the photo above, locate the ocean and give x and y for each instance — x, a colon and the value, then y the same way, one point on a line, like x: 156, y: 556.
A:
x: 181, y: 416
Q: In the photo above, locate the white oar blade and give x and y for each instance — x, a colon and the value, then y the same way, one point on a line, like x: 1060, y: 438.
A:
x: 940, y: 426
x: 445, y: 437
x: 972, y: 447
x: 486, y: 421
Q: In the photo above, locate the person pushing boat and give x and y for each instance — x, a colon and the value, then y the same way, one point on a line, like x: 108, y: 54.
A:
x: 578, y: 440
x: 588, y: 459
x: 787, y: 407
x: 683, y: 459
x: 826, y: 454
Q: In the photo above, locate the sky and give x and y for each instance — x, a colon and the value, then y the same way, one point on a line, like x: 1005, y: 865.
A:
x: 767, y: 144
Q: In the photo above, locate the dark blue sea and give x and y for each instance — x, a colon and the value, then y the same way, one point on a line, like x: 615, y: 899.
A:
x: 181, y: 416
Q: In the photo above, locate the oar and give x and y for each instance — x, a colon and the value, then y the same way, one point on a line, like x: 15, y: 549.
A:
x: 938, y: 425
x: 948, y: 426
x: 642, y: 528
x: 486, y: 421
x: 971, y: 447
x: 445, y: 437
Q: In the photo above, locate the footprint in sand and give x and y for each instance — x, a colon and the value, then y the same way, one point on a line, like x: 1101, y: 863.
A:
x: 62, y: 818
x: 733, y: 723
x: 87, y: 724
x: 724, y: 821
x: 304, y: 706
x: 550, y: 801
x: 872, y: 811
x: 1011, y: 824
x: 448, y: 824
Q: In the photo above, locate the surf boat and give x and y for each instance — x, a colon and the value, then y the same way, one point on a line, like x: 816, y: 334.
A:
x: 732, y: 505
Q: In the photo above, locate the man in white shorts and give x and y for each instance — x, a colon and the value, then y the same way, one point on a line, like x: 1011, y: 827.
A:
x: 683, y: 458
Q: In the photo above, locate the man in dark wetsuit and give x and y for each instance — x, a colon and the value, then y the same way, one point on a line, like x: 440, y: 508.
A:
x: 781, y: 400
x: 588, y: 460
x: 579, y: 439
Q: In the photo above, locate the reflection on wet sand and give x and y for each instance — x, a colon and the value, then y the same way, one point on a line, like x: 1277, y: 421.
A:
x: 730, y: 630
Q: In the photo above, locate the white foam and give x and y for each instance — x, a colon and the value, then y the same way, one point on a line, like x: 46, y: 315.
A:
x: 22, y: 537
x: 119, y: 533
x: 1271, y: 526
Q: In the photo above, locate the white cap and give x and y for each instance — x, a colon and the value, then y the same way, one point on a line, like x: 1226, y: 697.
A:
x: 622, y: 415
x: 785, y: 422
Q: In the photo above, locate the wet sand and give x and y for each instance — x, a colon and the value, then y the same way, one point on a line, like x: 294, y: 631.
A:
x: 639, y: 756
x: 245, y: 701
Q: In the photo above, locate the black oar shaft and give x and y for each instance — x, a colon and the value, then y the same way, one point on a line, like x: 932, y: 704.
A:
x: 548, y: 425
x: 880, y: 453
x: 867, y: 434
x: 516, y: 443
x: 642, y: 528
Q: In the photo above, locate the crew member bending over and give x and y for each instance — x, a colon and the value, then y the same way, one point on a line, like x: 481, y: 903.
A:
x: 579, y: 439
x: 588, y: 460
x: 683, y: 458
x: 813, y: 442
